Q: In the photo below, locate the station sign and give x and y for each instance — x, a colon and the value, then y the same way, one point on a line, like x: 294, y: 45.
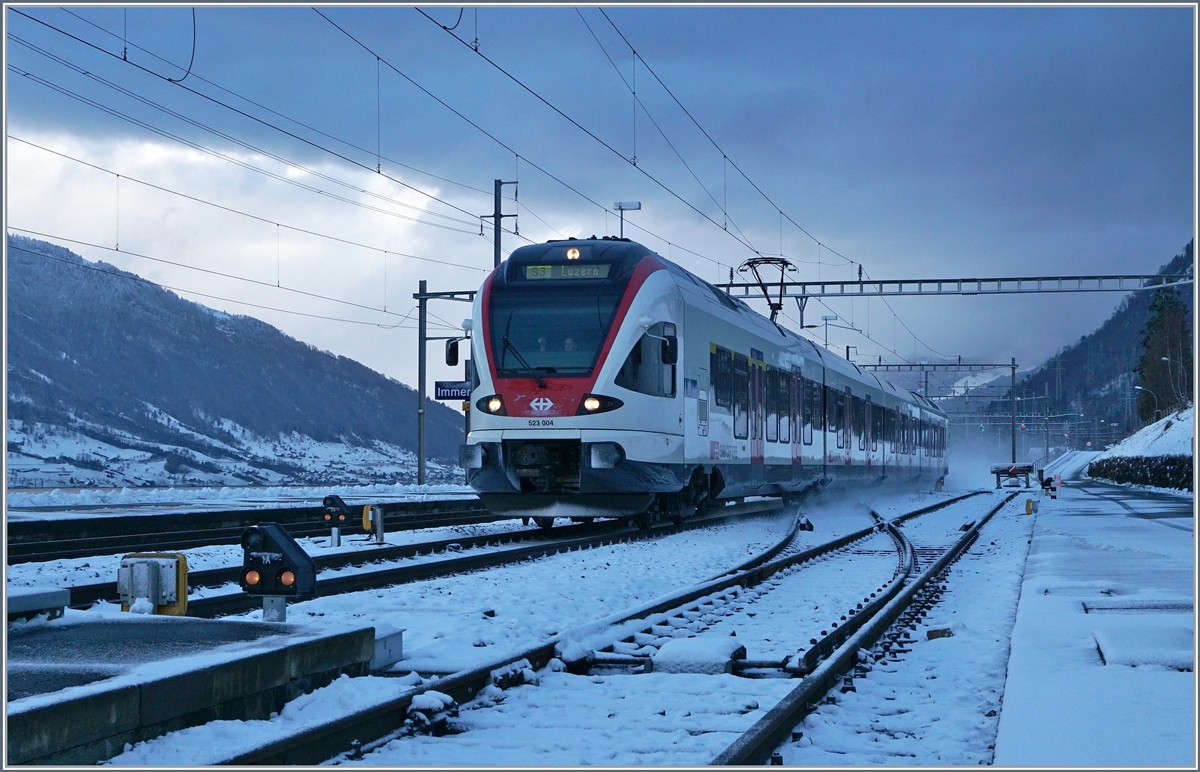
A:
x: 451, y: 389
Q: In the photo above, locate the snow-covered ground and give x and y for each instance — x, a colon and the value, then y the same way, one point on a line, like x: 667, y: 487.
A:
x: 533, y: 601
x: 1101, y: 686
x: 95, y: 502
x: 1172, y: 435
x: 72, y: 572
x: 1053, y: 702
x: 938, y: 704
x: 47, y: 456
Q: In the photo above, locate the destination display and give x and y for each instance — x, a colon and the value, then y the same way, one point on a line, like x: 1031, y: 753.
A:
x: 560, y: 271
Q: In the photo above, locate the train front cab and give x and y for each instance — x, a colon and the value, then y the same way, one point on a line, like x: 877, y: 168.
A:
x: 577, y: 412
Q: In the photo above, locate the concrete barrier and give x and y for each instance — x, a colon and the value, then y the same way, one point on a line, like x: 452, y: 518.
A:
x: 92, y: 723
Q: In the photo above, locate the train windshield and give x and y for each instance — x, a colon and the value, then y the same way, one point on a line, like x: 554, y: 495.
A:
x: 550, y: 333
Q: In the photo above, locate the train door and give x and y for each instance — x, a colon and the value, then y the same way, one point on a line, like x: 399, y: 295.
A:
x: 848, y: 425
x: 757, y: 407
x: 796, y: 423
x: 868, y: 433
x: 910, y: 444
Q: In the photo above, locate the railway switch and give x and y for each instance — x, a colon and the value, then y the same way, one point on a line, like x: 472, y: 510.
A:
x: 153, y: 582
x: 275, y: 568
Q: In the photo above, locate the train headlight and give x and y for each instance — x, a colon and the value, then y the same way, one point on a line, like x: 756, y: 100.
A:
x: 493, y: 405
x: 573, y: 253
x: 597, y: 403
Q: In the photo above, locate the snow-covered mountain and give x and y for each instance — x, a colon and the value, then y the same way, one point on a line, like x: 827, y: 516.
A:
x: 113, y: 380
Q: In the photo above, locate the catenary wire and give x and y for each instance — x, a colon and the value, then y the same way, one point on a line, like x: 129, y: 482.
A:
x: 504, y: 145
x: 201, y: 270
x: 223, y: 135
x: 585, y: 130
x: 244, y: 113
x: 531, y: 163
x: 288, y: 118
x: 243, y: 213
x: 661, y: 133
x: 747, y: 178
x: 217, y: 154
x: 139, y: 279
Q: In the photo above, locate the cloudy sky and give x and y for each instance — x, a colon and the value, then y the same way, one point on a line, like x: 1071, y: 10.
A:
x: 919, y: 142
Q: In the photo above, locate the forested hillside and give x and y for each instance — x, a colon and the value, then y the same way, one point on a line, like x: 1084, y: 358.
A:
x: 104, y: 369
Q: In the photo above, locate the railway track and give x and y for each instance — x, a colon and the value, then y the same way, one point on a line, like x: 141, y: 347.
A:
x: 582, y: 536
x: 41, y: 540
x: 598, y: 645
x: 537, y: 543
x: 879, y: 635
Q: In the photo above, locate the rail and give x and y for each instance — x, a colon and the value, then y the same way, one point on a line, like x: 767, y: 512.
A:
x: 40, y: 540
x: 609, y: 533
x: 316, y: 744
x: 756, y: 745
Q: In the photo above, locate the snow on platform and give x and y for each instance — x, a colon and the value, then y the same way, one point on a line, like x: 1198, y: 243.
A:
x: 1169, y: 647
x: 1108, y: 567
x: 81, y: 687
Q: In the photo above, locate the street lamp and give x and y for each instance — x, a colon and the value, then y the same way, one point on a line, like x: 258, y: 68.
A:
x: 1152, y: 394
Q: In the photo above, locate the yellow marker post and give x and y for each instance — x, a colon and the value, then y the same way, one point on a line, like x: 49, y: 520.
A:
x: 367, y: 517
x: 179, y: 608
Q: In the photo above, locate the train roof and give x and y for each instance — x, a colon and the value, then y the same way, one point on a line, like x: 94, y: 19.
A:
x: 626, y: 254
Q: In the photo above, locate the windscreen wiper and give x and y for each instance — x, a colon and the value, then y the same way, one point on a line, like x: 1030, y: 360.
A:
x: 533, y: 373
x: 508, y: 346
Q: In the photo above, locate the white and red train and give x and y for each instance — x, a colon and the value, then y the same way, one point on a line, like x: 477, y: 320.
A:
x: 614, y: 383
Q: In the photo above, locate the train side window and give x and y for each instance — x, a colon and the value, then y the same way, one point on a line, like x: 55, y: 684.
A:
x: 741, y: 396
x: 722, y: 375
x: 644, y: 370
x: 876, y: 426
x: 772, y: 404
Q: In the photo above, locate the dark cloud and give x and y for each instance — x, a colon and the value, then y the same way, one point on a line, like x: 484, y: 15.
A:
x: 919, y: 140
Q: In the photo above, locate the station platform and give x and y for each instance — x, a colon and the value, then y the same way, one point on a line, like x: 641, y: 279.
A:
x: 1102, y: 671
x: 80, y: 687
